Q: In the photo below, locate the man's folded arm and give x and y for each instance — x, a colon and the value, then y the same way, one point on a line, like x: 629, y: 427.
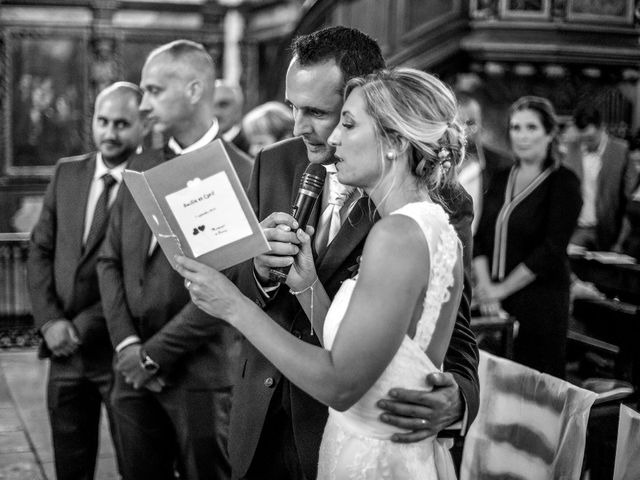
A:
x: 116, y: 312
x: 191, y: 327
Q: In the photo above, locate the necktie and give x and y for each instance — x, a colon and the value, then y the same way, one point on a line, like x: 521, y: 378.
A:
x: 330, y: 220
x: 101, y: 212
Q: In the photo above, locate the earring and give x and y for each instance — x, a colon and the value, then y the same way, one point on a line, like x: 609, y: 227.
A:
x: 390, y: 155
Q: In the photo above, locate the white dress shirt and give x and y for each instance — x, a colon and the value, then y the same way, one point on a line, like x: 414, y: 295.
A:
x: 591, y: 166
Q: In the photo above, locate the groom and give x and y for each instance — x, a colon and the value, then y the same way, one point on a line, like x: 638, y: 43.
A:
x: 276, y: 428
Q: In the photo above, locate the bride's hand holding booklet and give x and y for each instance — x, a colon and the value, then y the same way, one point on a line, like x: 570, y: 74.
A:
x: 195, y: 206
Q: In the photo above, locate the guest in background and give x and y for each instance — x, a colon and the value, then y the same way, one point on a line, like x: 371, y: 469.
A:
x: 172, y: 389
x: 267, y: 124
x: 64, y: 285
x: 629, y: 240
x: 520, y: 259
x: 481, y: 161
x: 607, y: 177
x: 228, y: 102
x: 630, y: 235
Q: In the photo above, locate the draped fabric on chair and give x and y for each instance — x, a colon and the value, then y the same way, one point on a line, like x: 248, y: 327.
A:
x: 530, y: 425
x: 627, y: 465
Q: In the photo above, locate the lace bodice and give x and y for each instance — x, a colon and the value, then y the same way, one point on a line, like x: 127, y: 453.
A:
x: 407, y: 369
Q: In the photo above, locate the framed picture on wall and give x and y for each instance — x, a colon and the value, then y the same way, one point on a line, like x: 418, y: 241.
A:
x: 601, y: 11
x: 525, y: 9
x: 45, y: 99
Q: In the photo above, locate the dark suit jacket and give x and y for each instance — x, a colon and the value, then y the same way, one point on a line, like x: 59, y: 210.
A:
x: 615, y: 184
x: 494, y: 161
x: 62, y: 275
x: 274, y: 184
x: 241, y: 141
x: 142, y: 295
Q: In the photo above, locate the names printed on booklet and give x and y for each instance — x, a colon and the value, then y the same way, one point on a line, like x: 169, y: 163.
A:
x: 209, y: 213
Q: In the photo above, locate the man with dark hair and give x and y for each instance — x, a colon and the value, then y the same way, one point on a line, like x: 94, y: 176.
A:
x: 64, y: 285
x: 172, y: 389
x: 276, y: 428
x: 607, y: 178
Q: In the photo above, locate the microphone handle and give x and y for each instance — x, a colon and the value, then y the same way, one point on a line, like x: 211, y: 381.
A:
x: 301, y: 211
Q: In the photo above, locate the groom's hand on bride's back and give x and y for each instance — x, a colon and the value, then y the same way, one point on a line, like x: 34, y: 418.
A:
x: 423, y: 413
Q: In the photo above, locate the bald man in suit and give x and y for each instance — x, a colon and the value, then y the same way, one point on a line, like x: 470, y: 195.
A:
x: 64, y: 285
x: 172, y: 390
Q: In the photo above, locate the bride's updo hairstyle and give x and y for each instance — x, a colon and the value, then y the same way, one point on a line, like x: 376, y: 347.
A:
x: 416, y: 112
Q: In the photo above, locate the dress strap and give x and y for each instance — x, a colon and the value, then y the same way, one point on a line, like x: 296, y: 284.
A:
x: 443, y: 260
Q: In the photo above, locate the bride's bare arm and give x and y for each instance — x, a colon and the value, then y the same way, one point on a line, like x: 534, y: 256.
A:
x: 391, y: 280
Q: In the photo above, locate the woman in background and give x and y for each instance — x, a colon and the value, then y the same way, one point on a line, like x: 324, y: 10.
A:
x: 266, y: 124
x: 520, y: 261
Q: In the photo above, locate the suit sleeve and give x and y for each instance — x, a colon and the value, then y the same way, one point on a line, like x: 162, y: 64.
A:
x: 630, y: 180
x: 111, y: 280
x: 40, y: 264
x: 191, y: 327
x: 461, y: 358
x: 565, y: 203
x: 243, y: 274
x: 483, y: 240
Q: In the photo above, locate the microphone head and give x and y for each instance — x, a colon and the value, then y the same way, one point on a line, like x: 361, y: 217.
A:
x: 312, y: 179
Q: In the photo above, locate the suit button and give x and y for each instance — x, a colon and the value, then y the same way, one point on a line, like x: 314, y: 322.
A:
x: 268, y: 382
x: 297, y: 333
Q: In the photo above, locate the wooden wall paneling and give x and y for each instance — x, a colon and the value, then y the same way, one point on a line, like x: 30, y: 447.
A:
x: 376, y: 18
x: 421, y: 18
x: 430, y: 31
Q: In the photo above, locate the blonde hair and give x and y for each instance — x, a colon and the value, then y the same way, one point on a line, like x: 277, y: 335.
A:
x: 417, y: 112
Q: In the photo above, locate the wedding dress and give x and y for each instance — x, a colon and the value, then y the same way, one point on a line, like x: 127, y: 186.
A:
x: 355, y: 443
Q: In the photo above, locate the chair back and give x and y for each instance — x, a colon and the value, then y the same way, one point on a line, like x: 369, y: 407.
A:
x: 530, y: 425
x: 627, y: 464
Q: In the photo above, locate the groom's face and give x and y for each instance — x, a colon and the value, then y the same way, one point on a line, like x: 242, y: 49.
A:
x: 314, y: 93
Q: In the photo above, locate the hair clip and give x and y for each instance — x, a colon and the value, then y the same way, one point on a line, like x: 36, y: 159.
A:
x: 444, y: 157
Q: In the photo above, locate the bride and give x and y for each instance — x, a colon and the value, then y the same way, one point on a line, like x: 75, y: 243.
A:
x: 400, y: 142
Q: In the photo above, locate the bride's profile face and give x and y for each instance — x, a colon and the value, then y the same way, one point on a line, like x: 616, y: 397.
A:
x: 356, y: 143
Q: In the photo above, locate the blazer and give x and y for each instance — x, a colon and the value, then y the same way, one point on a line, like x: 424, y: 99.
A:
x: 538, y: 226
x: 274, y: 185
x: 143, y: 295
x: 495, y: 161
x: 62, y: 274
x: 241, y: 141
x: 615, y: 183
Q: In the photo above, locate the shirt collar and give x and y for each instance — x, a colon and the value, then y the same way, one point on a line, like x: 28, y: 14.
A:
x: 232, y: 133
x: 604, y: 139
x: 102, y: 169
x: 206, y: 139
x: 330, y: 168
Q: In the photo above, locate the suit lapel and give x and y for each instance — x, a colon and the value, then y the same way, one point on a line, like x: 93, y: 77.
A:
x: 77, y: 226
x: 145, y: 233
x: 605, y: 169
x: 354, y: 229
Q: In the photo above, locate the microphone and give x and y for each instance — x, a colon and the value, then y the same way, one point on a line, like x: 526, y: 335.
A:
x: 311, y: 184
